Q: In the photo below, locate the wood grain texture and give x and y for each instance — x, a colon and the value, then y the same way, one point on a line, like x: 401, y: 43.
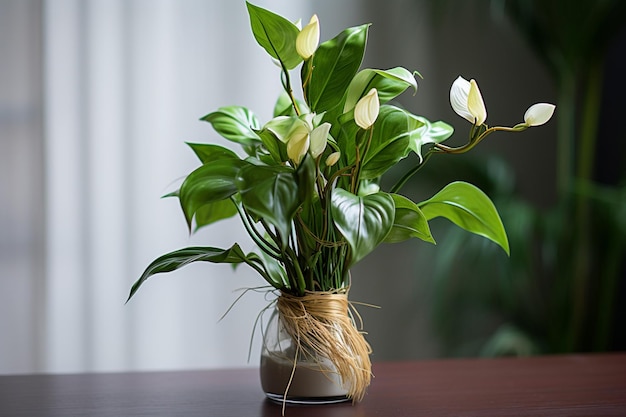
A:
x: 577, y: 385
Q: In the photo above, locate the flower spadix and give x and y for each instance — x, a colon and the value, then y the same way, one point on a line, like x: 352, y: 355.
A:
x: 538, y: 114
x: 366, y: 109
x: 308, y: 38
x: 467, y: 102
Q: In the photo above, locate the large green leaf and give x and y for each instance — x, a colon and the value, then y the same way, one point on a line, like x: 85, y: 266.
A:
x: 210, y: 183
x: 207, y: 152
x: 363, y: 221
x: 469, y: 208
x: 334, y: 64
x: 393, y: 132
x: 409, y: 222
x: 179, y: 258
x: 235, y: 123
x: 306, y: 177
x: 275, y: 34
x: 389, y: 84
x: 270, y: 193
x: 212, y: 212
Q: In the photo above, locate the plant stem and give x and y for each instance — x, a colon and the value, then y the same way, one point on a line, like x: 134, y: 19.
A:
x: 288, y: 89
x: 254, y: 234
x: 566, y: 132
x: 584, y: 171
x: 398, y: 185
x: 301, y: 286
x: 357, y: 176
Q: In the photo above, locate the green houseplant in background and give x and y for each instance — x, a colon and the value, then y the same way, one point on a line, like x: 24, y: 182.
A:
x: 307, y: 192
x: 559, y: 290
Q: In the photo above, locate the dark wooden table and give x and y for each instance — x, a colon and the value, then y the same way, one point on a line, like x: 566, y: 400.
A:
x: 579, y: 385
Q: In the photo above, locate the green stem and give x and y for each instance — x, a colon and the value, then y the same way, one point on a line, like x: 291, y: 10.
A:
x: 584, y: 172
x: 300, y: 281
x: 287, y: 86
x: 560, y: 295
x: 402, y: 181
x: 254, y: 234
x: 566, y: 133
x: 589, y: 127
x: 260, y: 269
x: 358, y: 165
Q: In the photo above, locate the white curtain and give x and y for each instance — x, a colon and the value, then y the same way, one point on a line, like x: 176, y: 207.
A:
x: 125, y: 85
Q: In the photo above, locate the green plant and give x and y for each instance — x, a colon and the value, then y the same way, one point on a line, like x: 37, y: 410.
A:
x: 307, y: 190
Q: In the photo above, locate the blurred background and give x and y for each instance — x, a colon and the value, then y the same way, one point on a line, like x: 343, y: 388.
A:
x: 97, y: 98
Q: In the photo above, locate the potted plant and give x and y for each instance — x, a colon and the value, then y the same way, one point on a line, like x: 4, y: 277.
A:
x: 307, y: 191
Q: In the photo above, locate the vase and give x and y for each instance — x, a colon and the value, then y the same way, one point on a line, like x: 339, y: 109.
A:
x: 308, y: 357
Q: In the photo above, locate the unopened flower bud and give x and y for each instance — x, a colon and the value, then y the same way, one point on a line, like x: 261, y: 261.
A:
x: 467, y: 102
x: 319, y: 139
x: 476, y: 105
x: 539, y: 114
x: 366, y: 109
x: 308, y: 38
x: 298, y: 144
x: 332, y: 159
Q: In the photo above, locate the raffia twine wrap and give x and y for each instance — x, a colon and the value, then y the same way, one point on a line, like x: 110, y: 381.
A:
x: 321, y: 325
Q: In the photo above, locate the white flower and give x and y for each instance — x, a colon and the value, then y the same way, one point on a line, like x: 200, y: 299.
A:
x: 319, y: 139
x: 298, y: 142
x: 308, y: 38
x: 332, y: 159
x: 538, y: 114
x: 366, y: 109
x: 467, y: 102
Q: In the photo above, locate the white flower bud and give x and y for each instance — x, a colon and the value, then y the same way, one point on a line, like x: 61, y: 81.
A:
x: 332, y: 159
x: 539, y: 114
x: 298, y: 143
x: 475, y: 104
x: 366, y: 109
x: 467, y: 102
x: 308, y: 38
x: 319, y: 139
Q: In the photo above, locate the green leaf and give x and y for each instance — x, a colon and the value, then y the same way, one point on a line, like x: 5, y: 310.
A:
x: 469, y: 208
x: 430, y: 132
x: 276, y: 275
x: 210, y: 183
x: 179, y: 258
x: 409, y: 222
x: 235, y: 123
x: 393, y: 132
x: 276, y: 148
x: 363, y: 221
x: 275, y: 34
x: 281, y: 126
x: 389, y: 84
x: 208, y: 152
x: 306, y: 176
x: 270, y: 193
x: 213, y: 212
x: 333, y: 65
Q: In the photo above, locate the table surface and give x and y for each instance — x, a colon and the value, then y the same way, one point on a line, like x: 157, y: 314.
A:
x: 576, y: 385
